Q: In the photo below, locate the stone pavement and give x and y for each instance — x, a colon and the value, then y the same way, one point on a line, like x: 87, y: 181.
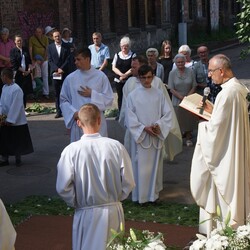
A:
x: 37, y: 175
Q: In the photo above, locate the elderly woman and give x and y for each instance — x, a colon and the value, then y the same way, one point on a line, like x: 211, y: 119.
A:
x: 182, y: 82
x: 186, y: 51
x: 121, y: 66
x: 152, y: 55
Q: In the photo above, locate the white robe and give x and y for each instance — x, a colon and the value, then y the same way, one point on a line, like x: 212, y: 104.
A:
x: 94, y: 175
x: 221, y: 160
x: 71, y: 101
x: 7, y: 231
x: 147, y: 106
x: 173, y: 142
x: 11, y: 104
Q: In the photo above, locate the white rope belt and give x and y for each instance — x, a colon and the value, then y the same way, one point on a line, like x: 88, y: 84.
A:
x: 100, y: 205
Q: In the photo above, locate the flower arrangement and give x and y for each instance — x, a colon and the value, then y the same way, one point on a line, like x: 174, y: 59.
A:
x: 225, y: 238
x: 135, y: 240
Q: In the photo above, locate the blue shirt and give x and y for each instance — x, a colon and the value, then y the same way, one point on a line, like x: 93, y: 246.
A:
x: 98, y: 57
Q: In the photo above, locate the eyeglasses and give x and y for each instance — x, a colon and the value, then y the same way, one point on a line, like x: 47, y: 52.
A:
x: 211, y: 71
x: 145, y: 77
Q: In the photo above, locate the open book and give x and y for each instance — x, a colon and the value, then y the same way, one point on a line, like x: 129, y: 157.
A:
x: 191, y: 103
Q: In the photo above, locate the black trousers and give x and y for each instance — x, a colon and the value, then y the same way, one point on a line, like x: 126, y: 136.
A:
x: 57, y: 86
x: 119, y: 87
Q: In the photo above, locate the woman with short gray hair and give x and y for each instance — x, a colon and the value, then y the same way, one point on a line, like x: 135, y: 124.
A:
x: 182, y: 83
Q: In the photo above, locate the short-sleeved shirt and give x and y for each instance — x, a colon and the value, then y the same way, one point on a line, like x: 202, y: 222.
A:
x: 39, y: 48
x: 98, y: 57
x: 5, y: 49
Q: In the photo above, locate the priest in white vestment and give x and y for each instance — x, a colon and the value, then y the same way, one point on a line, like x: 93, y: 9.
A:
x: 85, y: 85
x: 221, y: 160
x: 149, y: 120
x: 94, y: 175
x: 173, y: 142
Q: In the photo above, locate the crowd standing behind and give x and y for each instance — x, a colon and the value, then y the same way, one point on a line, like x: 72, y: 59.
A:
x: 58, y: 57
x: 121, y: 66
x: 38, y: 46
x: 201, y: 74
x: 99, y: 53
x: 152, y: 55
x: 6, y: 44
x: 22, y: 67
x: 182, y: 83
x: 69, y: 42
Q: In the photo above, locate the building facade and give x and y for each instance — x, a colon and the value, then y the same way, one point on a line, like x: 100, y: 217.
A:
x: 146, y: 22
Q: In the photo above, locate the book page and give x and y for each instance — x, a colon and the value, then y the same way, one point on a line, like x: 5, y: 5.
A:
x: 191, y: 103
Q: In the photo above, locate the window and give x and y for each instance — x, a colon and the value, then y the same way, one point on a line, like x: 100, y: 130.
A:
x: 133, y: 13
x: 150, y: 12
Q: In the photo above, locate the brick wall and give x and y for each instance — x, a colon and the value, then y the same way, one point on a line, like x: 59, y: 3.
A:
x: 8, y: 8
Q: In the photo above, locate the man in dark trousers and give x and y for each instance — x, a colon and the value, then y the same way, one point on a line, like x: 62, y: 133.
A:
x: 58, y: 56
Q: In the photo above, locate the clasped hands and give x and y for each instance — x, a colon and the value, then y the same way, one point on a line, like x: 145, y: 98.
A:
x: 85, y: 91
x: 153, y: 130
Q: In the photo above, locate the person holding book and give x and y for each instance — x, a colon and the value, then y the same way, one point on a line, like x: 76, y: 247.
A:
x: 221, y: 160
x: 182, y: 83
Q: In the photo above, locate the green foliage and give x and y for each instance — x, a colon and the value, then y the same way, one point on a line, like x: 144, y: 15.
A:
x: 243, y: 26
x: 38, y: 108
x: 170, y: 213
x: 111, y: 113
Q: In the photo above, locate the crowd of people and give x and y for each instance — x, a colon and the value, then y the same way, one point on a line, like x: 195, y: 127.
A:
x: 95, y: 173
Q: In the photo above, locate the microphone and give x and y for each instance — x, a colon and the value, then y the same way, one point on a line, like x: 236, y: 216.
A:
x: 205, y: 95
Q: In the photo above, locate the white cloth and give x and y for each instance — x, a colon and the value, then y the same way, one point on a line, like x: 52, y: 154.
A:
x: 147, y: 106
x: 11, y: 104
x: 45, y: 76
x: 7, y: 231
x: 94, y: 174
x: 173, y: 142
x: 71, y: 101
x: 221, y: 160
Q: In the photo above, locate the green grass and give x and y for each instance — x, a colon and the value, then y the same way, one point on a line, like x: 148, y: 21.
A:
x: 169, y: 213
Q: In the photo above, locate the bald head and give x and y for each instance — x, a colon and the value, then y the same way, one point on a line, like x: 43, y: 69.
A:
x: 220, y: 69
x: 221, y: 61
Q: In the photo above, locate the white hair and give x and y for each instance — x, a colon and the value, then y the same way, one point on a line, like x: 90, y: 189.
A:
x: 184, y: 48
x: 125, y: 41
x: 179, y: 56
x: 154, y: 50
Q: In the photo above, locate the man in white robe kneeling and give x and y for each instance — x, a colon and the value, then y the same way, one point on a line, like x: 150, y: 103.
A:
x: 149, y: 120
x: 94, y: 175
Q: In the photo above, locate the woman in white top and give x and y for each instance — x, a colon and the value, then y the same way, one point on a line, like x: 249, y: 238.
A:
x: 121, y: 66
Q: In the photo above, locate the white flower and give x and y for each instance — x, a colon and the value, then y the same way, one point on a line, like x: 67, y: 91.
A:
x: 155, y: 245
x: 198, y: 244
x: 217, y: 242
x: 243, y: 231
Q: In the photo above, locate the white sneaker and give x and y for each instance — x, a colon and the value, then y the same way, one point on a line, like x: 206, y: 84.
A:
x: 27, y: 114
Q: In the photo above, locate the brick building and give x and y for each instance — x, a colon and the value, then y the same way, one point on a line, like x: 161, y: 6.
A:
x: 147, y: 22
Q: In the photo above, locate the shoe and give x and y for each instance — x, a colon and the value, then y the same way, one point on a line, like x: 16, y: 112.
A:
x: 18, y: 163
x: 58, y: 116
x: 4, y: 163
x: 189, y: 143
x: 27, y: 114
x: 46, y: 97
